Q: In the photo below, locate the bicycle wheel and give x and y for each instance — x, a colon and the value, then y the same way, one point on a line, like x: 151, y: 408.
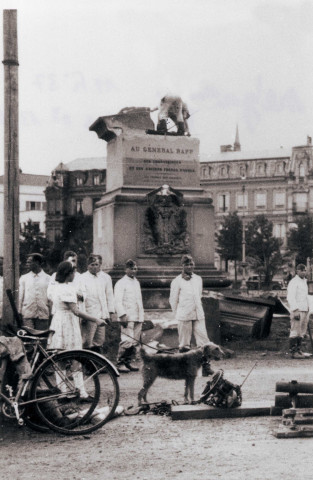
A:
x: 33, y: 421
x: 61, y: 385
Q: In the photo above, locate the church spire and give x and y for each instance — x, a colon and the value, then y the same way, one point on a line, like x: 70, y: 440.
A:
x: 237, y: 146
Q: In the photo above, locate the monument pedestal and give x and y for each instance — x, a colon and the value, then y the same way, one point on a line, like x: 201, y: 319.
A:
x: 154, y: 211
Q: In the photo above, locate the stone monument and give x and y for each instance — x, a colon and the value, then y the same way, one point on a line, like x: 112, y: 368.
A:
x: 154, y: 209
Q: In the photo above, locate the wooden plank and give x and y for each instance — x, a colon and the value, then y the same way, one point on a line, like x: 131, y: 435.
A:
x: 295, y: 411
x: 285, y: 432
x: 303, y: 420
x: 201, y: 411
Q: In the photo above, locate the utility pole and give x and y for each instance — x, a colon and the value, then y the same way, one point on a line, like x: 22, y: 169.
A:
x: 243, y: 287
x: 11, y: 166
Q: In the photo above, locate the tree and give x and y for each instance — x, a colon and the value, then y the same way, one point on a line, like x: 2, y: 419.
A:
x: 78, y: 236
x: 32, y: 241
x: 300, y: 239
x: 229, y: 239
x: 78, y: 233
x: 263, y: 247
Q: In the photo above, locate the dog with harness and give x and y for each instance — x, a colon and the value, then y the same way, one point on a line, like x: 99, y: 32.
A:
x: 177, y: 366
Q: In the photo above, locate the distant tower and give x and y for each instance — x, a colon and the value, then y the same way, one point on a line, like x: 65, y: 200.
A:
x: 237, y: 146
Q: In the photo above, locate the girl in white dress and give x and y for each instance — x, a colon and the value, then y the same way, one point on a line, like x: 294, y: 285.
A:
x: 65, y: 322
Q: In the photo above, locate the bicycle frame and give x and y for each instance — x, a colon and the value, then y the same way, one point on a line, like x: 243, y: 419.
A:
x: 16, y: 402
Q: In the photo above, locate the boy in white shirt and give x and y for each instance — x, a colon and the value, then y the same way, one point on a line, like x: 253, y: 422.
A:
x: 98, y: 303
x: 33, y: 301
x: 129, y: 309
x: 298, y: 299
x: 185, y: 301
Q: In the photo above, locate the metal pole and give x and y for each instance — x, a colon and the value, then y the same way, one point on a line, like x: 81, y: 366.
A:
x: 11, y: 165
x: 243, y: 242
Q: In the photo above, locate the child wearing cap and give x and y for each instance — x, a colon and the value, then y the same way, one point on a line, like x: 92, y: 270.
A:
x: 185, y: 301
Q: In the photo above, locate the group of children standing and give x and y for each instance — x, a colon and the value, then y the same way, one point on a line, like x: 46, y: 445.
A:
x: 82, y: 305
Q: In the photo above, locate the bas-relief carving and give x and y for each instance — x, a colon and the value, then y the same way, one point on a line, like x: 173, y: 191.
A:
x: 250, y: 170
x: 165, y: 223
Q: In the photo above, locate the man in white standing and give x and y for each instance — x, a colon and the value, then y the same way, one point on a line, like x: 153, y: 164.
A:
x: 298, y: 299
x: 99, y: 302
x: 33, y: 301
x: 129, y: 309
x: 185, y: 301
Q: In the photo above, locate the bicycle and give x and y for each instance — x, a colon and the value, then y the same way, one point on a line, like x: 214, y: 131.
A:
x: 72, y: 392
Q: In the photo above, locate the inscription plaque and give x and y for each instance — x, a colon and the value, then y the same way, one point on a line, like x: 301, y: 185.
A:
x: 150, y: 160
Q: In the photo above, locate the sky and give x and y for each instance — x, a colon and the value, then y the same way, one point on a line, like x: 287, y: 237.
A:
x: 234, y: 62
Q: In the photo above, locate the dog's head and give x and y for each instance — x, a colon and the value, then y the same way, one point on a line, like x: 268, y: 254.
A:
x: 212, y: 351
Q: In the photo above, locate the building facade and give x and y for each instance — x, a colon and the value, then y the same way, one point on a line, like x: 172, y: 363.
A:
x: 73, y: 189
x: 278, y: 184
x: 32, y: 202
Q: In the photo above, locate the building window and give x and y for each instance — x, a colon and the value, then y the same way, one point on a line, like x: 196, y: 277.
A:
x: 79, y: 206
x: 57, y: 206
x: 79, y: 181
x: 279, y: 199
x: 242, y: 171
x: 96, y: 179
x: 43, y: 205
x: 223, y: 202
x: 51, y: 207
x: 260, y: 200
x: 301, y: 170
x: 279, y: 230
x: 206, y: 172
x: 242, y: 201
x: 300, y: 204
x: 279, y: 168
x: 30, y: 205
x: 261, y: 169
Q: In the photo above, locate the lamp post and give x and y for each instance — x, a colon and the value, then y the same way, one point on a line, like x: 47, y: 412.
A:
x: 243, y: 287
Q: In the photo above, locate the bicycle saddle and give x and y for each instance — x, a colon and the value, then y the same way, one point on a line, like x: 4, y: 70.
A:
x: 36, y: 333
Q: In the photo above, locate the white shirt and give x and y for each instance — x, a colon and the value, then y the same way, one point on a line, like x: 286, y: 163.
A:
x: 297, y: 294
x: 128, y: 299
x: 185, y: 298
x: 109, y: 290
x: 78, y: 287
x: 33, y: 300
x: 99, y: 294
